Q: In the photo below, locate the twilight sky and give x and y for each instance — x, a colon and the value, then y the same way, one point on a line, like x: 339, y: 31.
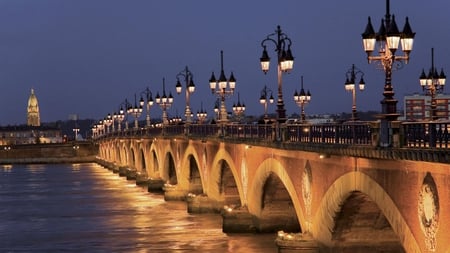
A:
x: 86, y: 57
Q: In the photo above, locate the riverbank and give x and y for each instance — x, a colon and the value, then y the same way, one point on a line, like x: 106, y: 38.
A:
x: 73, y: 152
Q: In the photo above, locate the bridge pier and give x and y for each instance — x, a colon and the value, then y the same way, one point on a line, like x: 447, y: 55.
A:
x: 202, y: 204
x: 131, y: 174
x: 237, y: 220
x: 141, y: 179
x: 155, y: 184
x: 296, y: 242
x: 172, y: 192
x: 123, y: 171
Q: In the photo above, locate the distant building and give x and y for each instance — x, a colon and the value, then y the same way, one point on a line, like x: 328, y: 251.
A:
x: 32, y: 132
x: 418, y: 107
x: 17, y: 135
x: 33, y: 118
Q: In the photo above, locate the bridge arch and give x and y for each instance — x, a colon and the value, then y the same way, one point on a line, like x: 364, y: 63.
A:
x: 153, y: 162
x: 224, y: 185
x: 142, y: 164
x: 190, y: 176
x: 271, y: 173
x: 354, y: 184
x: 169, y: 172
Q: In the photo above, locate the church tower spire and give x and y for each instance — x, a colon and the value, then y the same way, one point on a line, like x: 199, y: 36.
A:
x: 33, y: 118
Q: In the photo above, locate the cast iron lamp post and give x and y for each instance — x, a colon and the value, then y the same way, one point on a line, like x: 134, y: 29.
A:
x: 264, y: 100
x: 239, y: 109
x: 136, y: 111
x: 107, y: 121
x: 165, y: 102
x: 224, y: 89
x: 190, y: 88
x: 201, y: 115
x: 302, y: 99
x: 388, y: 38
x: 148, y: 102
x: 351, y: 87
x: 432, y: 84
x: 285, y: 64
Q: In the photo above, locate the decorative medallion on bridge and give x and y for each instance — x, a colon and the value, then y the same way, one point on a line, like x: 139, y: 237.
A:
x: 428, y: 210
x: 306, y: 188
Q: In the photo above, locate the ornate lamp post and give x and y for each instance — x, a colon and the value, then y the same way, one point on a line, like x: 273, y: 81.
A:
x: 94, y: 131
x: 190, y: 88
x: 350, y: 86
x: 165, y: 102
x: 148, y: 102
x: 107, y: 121
x: 216, y: 109
x: 285, y: 64
x: 123, y: 114
x: 225, y: 88
x: 201, y: 115
x: 432, y: 84
x: 388, y: 38
x: 100, y: 127
x: 264, y: 100
x: 301, y: 99
x: 239, y: 109
x: 136, y: 111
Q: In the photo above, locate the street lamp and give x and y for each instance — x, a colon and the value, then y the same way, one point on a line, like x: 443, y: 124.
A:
x: 264, y: 99
x: 165, y: 102
x: 285, y: 64
x: 201, y: 115
x: 136, y: 111
x: 350, y: 86
x: 302, y: 99
x: 432, y: 84
x: 225, y: 88
x: 121, y: 115
x: 239, y: 109
x: 190, y: 88
x: 148, y: 103
x: 388, y: 38
x: 107, y: 121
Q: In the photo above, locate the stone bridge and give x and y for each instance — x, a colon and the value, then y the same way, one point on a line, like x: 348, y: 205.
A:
x: 318, y: 198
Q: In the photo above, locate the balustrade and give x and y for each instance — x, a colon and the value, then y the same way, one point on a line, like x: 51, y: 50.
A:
x: 411, y: 134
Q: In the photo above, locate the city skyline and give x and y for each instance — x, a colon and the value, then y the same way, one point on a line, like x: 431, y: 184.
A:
x: 87, y: 57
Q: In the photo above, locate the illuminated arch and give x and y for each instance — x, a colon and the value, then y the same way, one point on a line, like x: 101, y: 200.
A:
x: 185, y: 169
x: 264, y: 170
x: 213, y: 190
x: 340, y: 190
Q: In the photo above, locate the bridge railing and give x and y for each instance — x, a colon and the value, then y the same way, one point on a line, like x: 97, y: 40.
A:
x: 426, y: 134
x: 354, y: 133
x: 410, y: 134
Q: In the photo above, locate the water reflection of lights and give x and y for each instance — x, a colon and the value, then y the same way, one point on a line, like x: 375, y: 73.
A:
x: 76, y: 167
x: 228, y: 208
x: 7, y: 167
x: 36, y: 168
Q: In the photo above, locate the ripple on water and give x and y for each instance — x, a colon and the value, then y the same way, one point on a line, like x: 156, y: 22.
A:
x: 53, y: 208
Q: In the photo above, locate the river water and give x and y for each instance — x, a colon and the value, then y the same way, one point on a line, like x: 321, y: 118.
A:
x: 87, y: 208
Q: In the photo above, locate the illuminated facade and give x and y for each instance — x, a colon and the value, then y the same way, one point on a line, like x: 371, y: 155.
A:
x: 33, y: 118
x: 18, y: 135
x: 418, y: 107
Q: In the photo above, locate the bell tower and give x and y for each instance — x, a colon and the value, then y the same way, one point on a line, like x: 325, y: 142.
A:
x: 33, y: 118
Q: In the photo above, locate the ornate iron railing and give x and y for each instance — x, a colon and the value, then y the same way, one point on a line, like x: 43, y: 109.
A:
x: 409, y: 134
